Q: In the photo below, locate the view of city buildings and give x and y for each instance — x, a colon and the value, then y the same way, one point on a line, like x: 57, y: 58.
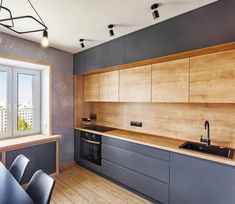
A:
x: 3, y: 119
x: 25, y: 113
x: 24, y: 99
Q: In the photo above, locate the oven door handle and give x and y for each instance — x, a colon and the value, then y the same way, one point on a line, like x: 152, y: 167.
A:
x: 91, y: 142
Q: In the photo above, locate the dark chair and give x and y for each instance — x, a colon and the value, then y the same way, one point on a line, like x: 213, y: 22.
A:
x: 40, y: 187
x: 18, y: 167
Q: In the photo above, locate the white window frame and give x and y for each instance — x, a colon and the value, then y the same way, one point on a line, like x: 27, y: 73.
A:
x: 12, y: 101
x: 36, y: 101
x: 9, y: 101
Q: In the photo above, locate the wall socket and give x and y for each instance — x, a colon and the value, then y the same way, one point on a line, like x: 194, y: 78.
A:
x: 136, y: 124
x: 93, y: 116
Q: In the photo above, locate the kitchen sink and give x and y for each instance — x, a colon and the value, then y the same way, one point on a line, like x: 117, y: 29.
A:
x: 209, y: 149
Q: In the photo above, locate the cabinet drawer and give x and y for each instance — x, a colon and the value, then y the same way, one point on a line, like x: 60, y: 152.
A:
x: 145, y: 185
x: 137, y: 148
x: 148, y: 166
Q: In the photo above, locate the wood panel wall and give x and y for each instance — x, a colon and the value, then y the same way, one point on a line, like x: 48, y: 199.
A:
x: 81, y: 108
x: 182, y: 121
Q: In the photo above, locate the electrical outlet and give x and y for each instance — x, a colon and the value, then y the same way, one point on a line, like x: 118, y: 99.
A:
x: 132, y: 123
x: 93, y: 116
x: 136, y: 124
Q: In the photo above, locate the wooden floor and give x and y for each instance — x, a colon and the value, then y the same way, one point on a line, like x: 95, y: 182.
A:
x: 78, y: 185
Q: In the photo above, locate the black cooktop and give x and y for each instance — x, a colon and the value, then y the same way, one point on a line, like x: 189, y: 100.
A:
x: 99, y: 128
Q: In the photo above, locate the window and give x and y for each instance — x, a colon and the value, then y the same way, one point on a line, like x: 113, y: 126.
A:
x: 19, y: 101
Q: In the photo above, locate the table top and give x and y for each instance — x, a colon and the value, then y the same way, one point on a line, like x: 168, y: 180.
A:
x: 10, y: 190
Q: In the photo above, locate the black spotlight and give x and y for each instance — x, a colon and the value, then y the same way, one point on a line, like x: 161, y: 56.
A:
x: 111, y: 33
x: 155, y: 11
x: 81, y: 43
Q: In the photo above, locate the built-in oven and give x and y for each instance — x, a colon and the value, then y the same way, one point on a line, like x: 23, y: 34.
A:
x: 90, y: 147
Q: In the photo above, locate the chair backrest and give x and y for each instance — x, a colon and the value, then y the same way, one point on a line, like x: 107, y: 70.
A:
x: 18, y: 167
x: 40, y: 187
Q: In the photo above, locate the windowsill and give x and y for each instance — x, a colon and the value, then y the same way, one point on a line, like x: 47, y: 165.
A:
x: 26, y: 141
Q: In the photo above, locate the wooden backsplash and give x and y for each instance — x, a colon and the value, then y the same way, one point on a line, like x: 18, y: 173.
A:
x: 182, y: 121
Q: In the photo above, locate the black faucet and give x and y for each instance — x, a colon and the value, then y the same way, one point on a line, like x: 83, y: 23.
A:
x: 207, y: 128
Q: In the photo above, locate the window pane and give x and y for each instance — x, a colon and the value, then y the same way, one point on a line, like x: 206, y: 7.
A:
x: 25, y: 102
x: 3, y: 102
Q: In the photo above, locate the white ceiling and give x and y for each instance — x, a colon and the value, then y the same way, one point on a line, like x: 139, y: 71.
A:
x: 69, y: 20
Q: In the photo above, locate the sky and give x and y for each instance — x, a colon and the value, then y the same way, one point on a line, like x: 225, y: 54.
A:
x: 24, y: 88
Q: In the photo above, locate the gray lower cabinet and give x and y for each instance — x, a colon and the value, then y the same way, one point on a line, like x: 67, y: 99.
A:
x: 138, y: 167
x: 163, y: 176
x: 195, y: 181
x: 148, y: 166
x: 76, y: 146
x: 154, y: 189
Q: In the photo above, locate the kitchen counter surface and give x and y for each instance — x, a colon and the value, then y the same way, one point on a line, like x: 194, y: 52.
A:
x: 164, y: 143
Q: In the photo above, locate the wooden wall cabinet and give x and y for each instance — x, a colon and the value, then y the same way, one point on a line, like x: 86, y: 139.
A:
x: 92, y: 87
x: 202, y: 79
x: 135, y: 84
x: 212, y: 78
x: 170, y: 81
x: 109, y: 86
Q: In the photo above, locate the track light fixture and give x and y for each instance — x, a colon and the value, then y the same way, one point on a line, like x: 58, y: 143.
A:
x: 111, y: 32
x: 155, y: 11
x: 45, y: 41
x: 81, y: 43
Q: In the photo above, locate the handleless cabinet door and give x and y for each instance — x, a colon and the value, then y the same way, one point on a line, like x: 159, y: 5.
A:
x: 135, y: 84
x: 92, y: 87
x: 77, y: 145
x: 195, y: 181
x: 212, y: 78
x: 109, y: 86
x: 170, y: 81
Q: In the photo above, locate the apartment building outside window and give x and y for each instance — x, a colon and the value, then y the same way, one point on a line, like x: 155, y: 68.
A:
x: 19, y: 101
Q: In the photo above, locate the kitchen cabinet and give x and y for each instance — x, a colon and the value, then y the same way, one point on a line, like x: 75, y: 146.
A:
x: 212, y: 78
x: 196, y: 181
x: 151, y: 167
x: 139, y: 167
x: 135, y: 84
x: 105, y: 55
x: 170, y: 81
x: 109, y: 86
x: 77, y: 146
x: 166, y: 177
x: 92, y: 87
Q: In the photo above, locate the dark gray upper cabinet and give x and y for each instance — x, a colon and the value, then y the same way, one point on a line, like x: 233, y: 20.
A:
x: 196, y: 181
x: 200, y: 28
x: 105, y: 55
x: 203, y: 27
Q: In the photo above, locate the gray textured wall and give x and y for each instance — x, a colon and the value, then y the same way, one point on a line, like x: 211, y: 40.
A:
x: 62, y: 85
